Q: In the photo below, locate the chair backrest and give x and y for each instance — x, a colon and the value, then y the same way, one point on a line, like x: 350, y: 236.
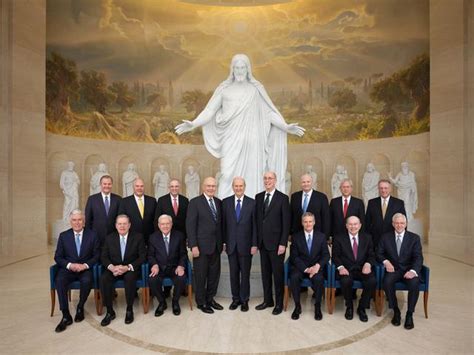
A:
x: 141, y: 281
x: 167, y: 281
x: 424, y: 279
x: 305, y: 282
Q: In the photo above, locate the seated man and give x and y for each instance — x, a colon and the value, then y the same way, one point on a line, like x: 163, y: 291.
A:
x: 123, y: 253
x: 167, y: 256
x: 353, y: 255
x: 309, y: 255
x: 401, y: 254
x: 76, y: 254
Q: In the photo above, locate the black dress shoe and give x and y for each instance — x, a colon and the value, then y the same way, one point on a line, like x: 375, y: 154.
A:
x: 317, y: 313
x: 396, y: 320
x: 206, y: 309
x: 264, y: 305
x: 215, y: 305
x: 296, y: 313
x: 234, y: 305
x: 244, y: 307
x: 176, y: 308
x: 160, y: 309
x: 409, y: 321
x: 107, y: 319
x: 79, y: 315
x: 65, y: 321
x: 349, y: 313
x: 362, y: 315
x: 277, y: 310
x: 128, y: 317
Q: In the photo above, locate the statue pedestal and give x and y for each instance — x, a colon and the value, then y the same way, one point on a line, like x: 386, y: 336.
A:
x: 416, y: 226
x: 58, y: 227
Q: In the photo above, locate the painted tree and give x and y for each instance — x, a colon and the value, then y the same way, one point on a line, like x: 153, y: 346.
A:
x: 195, y: 100
x: 157, y: 100
x: 94, y: 90
x: 123, y: 97
x: 342, y: 99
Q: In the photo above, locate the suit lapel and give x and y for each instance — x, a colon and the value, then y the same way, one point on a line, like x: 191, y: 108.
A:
x: 272, y: 202
x: 348, y: 244
x: 208, y: 207
x: 389, y: 207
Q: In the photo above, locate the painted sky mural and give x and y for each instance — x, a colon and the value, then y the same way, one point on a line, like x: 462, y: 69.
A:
x: 132, y: 70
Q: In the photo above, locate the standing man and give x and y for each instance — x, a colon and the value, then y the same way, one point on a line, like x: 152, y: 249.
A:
x: 123, y: 254
x: 175, y: 205
x: 102, y: 209
x: 309, y: 255
x: 273, y: 227
x: 76, y: 253
x: 309, y: 200
x: 380, y: 210
x: 240, y: 237
x: 343, y: 207
x: 203, y: 227
x: 354, y: 257
x: 401, y: 255
x: 167, y: 256
x: 140, y: 208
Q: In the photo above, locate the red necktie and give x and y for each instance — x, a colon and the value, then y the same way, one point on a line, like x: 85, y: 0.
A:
x: 345, y: 207
x: 354, y: 247
x: 175, y: 206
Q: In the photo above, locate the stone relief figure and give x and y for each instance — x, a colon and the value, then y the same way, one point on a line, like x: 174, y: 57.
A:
x: 161, y: 181
x: 69, y: 184
x: 192, y: 181
x: 406, y: 189
x: 314, y: 176
x: 288, y: 183
x: 336, y: 180
x: 95, y: 179
x: 128, y: 177
x: 243, y: 129
x: 370, y: 184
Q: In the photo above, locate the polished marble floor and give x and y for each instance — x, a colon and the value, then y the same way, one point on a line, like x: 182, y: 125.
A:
x: 26, y: 327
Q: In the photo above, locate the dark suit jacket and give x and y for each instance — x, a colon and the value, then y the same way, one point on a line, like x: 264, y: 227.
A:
x: 273, y: 227
x: 96, y: 219
x: 177, y: 255
x: 66, y: 249
x: 239, y: 235
x: 411, y: 256
x: 338, y: 222
x: 301, y: 258
x: 202, y: 231
x: 144, y: 226
x: 135, y: 252
x: 375, y: 225
x: 342, y: 253
x: 164, y: 206
x: 318, y: 205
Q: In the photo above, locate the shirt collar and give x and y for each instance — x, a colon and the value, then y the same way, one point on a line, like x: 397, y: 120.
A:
x: 80, y: 233
x: 238, y: 198
x: 103, y: 195
x: 306, y: 234
x: 309, y: 193
x: 207, y: 197
x: 125, y: 236
x: 270, y: 192
x: 402, y: 234
x: 386, y: 199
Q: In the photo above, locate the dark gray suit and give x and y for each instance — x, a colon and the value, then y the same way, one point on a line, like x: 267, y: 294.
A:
x: 96, y: 218
x: 338, y: 220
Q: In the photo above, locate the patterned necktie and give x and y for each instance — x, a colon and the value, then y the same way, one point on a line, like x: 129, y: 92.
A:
x: 305, y: 203
x: 167, y: 245
x: 122, y: 246
x: 384, y: 207
x: 309, y: 242
x: 266, y: 202
x: 107, y: 205
x: 399, y: 243
x: 175, y: 206
x: 354, y: 247
x: 141, y: 208
x: 78, y: 243
x: 213, y: 209
x: 346, y: 205
x: 237, y: 210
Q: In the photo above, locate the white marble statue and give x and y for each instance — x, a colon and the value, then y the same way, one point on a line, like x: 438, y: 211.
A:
x: 243, y: 128
x: 336, y: 180
x: 288, y: 183
x: 370, y: 184
x: 95, y: 179
x: 128, y: 177
x: 407, y: 190
x: 218, y: 178
x: 161, y: 181
x: 314, y: 176
x: 192, y: 181
x: 69, y: 184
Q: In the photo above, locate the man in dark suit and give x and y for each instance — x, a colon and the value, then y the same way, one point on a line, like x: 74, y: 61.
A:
x: 203, y: 227
x: 175, y: 205
x: 309, y: 255
x: 401, y: 254
x: 76, y: 253
x: 102, y: 209
x: 240, y: 238
x: 343, y: 207
x: 309, y: 200
x: 140, y: 208
x: 354, y: 257
x: 273, y: 226
x: 167, y: 256
x: 123, y: 254
x: 380, y: 210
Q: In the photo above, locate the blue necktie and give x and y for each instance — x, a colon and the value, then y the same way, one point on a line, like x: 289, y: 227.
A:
x: 122, y: 246
x: 213, y: 209
x: 78, y: 244
x: 305, y: 203
x: 237, y: 210
x: 309, y: 242
x: 107, y: 205
x: 167, y: 245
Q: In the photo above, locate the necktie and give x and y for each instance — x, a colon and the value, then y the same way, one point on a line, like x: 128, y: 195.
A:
x: 107, y: 205
x: 78, y: 243
x: 354, y: 247
x: 213, y: 209
x: 266, y: 202
x: 237, y: 210
x: 399, y: 243
x: 167, y: 245
x: 384, y: 207
x: 175, y: 206
x: 141, y: 208
x: 305, y: 203
x: 346, y: 205
x: 309, y: 242
x: 122, y: 246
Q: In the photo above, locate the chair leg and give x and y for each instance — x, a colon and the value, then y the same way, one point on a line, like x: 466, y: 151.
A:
x: 425, y: 303
x: 285, y: 298
x: 333, y: 300
x: 97, y: 301
x: 190, y: 296
x: 145, y: 298
x: 377, y: 303
x: 53, y: 301
x: 100, y: 304
x: 381, y: 301
x: 69, y: 294
x: 327, y: 294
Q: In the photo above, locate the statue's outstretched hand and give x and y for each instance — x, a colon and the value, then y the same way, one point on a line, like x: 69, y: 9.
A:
x: 184, y: 127
x: 293, y: 128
